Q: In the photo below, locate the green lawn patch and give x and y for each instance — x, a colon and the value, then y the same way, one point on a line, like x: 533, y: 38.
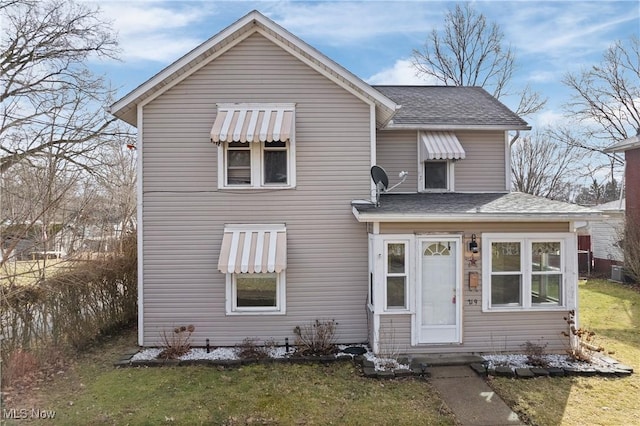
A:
x: 613, y: 312
x: 94, y: 392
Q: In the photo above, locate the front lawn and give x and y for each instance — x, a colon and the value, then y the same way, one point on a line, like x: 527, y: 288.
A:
x: 94, y: 392
x: 613, y: 312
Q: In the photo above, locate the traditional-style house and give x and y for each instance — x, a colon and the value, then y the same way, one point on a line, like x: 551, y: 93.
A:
x: 257, y: 211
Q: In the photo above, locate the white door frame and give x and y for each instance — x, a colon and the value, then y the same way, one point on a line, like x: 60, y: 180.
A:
x: 417, y: 325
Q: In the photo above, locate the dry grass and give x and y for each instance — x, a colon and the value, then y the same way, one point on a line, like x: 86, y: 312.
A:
x: 93, y: 392
x: 613, y: 312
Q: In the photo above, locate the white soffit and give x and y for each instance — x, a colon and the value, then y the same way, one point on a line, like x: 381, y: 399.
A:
x: 253, y: 123
x: 442, y: 146
x: 252, y: 249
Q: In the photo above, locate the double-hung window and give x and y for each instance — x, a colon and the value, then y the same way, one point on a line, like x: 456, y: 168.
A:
x: 256, y: 146
x: 254, y: 259
x: 396, y: 273
x: 526, y: 272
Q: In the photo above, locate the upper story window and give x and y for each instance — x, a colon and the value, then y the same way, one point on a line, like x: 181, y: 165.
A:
x: 438, y: 151
x: 256, y: 145
x: 436, y: 175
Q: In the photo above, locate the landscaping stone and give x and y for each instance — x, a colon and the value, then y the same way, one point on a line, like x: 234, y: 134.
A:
x: 605, y: 371
x: 537, y: 371
x: 403, y: 372
x: 122, y: 363
x: 555, y: 371
x: 344, y: 357
x: 503, y: 371
x: 369, y: 372
x: 479, y: 368
x: 367, y: 363
x: 386, y: 375
x: 524, y: 373
x: 417, y: 371
x: 571, y: 371
x: 622, y: 373
x: 623, y: 367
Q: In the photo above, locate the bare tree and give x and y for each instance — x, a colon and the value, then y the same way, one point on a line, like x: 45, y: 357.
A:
x: 470, y: 51
x: 541, y: 165
x: 49, y: 100
x: 606, y: 97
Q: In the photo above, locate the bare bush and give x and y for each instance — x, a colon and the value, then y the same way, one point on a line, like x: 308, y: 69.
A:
x: 316, y: 338
x: 582, y: 341
x: 177, y: 342
x: 251, y: 349
x: 535, y: 353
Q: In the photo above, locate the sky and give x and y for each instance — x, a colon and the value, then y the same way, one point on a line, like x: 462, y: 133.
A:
x: 375, y: 39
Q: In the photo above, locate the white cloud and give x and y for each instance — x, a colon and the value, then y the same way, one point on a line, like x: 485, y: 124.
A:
x: 154, y: 31
x: 402, y: 72
x: 549, y: 118
x: 345, y: 23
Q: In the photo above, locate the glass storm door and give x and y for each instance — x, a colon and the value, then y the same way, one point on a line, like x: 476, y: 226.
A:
x: 439, y: 291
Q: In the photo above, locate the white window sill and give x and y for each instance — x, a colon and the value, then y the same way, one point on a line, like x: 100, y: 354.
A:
x: 250, y: 188
x: 242, y: 313
x: 529, y: 309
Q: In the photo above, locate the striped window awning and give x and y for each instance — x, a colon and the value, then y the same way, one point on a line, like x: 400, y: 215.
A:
x: 252, y: 249
x: 442, y: 146
x: 253, y: 123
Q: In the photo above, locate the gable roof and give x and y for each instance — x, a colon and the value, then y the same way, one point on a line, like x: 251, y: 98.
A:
x: 253, y: 22
x: 449, y: 107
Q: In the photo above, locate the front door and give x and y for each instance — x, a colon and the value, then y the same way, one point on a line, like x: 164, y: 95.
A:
x: 438, y: 313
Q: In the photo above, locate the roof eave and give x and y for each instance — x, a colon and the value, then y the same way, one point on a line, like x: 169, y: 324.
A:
x: 427, y: 127
x: 627, y: 144
x: 474, y: 217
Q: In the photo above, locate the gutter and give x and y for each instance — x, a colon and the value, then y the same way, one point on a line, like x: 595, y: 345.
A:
x: 475, y: 217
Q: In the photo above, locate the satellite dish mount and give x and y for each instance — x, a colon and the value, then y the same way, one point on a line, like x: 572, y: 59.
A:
x: 381, y: 179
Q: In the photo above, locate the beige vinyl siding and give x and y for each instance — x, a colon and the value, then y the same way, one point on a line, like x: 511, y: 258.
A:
x: 184, y: 212
x: 482, y: 169
x: 397, y: 151
x: 395, y: 334
x: 488, y: 331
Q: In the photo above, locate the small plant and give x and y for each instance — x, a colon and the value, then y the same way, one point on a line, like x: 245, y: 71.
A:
x: 176, y: 343
x: 535, y: 354
x: 582, y: 341
x: 316, y: 338
x: 250, y: 349
x: 389, y: 348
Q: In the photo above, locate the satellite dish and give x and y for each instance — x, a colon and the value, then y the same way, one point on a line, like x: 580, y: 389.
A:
x: 380, y: 177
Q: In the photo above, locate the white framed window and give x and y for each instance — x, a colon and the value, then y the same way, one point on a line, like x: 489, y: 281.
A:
x: 396, y: 269
x: 522, y: 272
x: 257, y: 293
x: 436, y: 176
x: 257, y: 165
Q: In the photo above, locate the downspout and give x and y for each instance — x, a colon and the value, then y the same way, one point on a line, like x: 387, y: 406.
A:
x: 515, y: 138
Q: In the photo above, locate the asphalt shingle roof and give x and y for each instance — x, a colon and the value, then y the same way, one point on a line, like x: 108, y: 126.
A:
x: 450, y: 105
x: 446, y: 204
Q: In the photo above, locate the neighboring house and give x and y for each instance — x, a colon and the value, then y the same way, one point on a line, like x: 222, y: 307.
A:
x: 254, y: 149
x: 606, y: 236
x: 631, y: 149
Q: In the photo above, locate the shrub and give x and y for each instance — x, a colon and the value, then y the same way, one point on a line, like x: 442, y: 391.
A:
x: 316, y: 338
x: 250, y: 349
x: 176, y: 343
x: 535, y: 353
x: 582, y: 340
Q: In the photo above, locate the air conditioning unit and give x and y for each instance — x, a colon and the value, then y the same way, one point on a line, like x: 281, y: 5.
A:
x: 617, y: 273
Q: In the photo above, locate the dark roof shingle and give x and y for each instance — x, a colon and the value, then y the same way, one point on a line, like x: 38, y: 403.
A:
x: 450, y: 106
x: 433, y: 205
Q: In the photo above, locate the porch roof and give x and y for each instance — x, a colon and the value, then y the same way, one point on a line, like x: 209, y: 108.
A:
x: 464, y: 207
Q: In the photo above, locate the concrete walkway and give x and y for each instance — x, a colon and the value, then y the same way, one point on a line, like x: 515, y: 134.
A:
x: 470, y: 398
